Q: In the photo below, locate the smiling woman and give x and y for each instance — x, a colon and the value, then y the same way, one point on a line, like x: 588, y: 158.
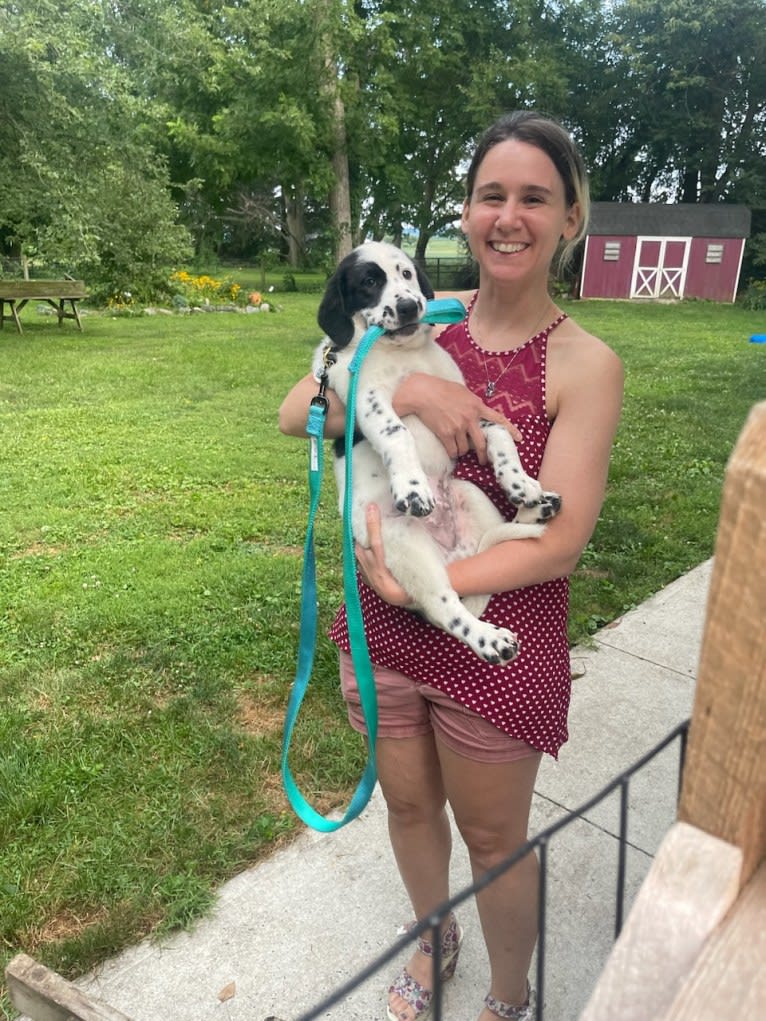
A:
x: 449, y: 727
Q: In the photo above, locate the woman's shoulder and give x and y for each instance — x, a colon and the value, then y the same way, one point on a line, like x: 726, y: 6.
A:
x: 581, y: 368
x: 571, y: 343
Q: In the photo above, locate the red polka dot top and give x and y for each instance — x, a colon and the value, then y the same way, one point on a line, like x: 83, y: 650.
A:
x: 529, y: 699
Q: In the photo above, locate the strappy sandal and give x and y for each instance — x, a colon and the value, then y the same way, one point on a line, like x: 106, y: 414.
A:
x: 526, y: 1012
x: 417, y: 996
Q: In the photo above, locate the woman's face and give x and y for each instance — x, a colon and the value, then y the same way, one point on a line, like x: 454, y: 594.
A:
x: 517, y: 213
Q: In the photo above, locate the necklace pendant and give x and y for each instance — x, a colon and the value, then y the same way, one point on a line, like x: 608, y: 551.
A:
x: 490, y: 391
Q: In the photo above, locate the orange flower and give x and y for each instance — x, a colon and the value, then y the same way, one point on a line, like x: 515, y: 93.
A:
x: 254, y: 298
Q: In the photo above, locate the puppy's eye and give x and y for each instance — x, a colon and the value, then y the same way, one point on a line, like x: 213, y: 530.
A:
x: 369, y: 281
x: 407, y: 274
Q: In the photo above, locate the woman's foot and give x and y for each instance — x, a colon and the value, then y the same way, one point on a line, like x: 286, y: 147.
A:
x: 494, y: 1008
x: 411, y: 993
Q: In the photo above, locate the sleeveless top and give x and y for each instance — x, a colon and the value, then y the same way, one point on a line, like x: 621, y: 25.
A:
x: 529, y: 698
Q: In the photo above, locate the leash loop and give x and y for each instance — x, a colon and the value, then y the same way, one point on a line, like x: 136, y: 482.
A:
x: 444, y: 310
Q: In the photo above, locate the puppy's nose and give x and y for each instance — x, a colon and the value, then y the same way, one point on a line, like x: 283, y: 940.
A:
x: 406, y: 309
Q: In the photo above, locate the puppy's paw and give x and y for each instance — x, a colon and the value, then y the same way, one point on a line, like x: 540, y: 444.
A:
x: 499, y: 648
x: 413, y: 496
x: 548, y: 507
x: 495, y: 645
x: 520, y: 489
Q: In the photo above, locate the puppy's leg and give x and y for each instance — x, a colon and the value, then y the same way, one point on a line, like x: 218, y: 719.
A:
x: 394, y: 444
x: 417, y: 564
x: 524, y: 492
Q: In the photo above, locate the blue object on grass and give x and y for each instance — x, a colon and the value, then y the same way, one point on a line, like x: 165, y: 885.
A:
x: 758, y: 338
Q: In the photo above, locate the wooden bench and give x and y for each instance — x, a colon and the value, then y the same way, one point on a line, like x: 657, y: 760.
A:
x: 16, y: 293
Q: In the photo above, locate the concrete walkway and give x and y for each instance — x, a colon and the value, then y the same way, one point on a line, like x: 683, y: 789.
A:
x: 285, y: 933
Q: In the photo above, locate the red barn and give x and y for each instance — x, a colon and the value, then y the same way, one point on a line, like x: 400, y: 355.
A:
x: 649, y: 250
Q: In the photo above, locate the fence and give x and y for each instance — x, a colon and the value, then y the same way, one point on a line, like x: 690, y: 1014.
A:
x: 540, y: 845
x: 451, y: 272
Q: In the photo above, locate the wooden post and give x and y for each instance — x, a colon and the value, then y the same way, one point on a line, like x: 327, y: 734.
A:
x: 692, y: 948
x: 45, y: 996
x: 724, y: 785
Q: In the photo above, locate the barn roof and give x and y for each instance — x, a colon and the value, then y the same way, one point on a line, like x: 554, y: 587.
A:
x: 654, y: 219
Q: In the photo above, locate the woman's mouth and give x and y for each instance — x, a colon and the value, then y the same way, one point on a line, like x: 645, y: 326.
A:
x: 508, y: 247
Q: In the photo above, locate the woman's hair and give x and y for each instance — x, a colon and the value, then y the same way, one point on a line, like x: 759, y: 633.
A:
x: 550, y: 137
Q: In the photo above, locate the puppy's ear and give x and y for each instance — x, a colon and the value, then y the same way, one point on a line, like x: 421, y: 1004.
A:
x: 332, y: 315
x: 424, y: 283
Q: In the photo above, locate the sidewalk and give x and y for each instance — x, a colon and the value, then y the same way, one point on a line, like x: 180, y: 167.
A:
x: 294, y: 927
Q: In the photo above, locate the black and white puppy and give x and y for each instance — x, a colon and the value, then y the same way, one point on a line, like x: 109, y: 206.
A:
x: 428, y: 517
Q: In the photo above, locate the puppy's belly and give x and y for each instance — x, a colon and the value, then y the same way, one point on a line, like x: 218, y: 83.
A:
x: 451, y: 524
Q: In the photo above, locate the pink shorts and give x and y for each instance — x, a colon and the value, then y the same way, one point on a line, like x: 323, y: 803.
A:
x: 409, y: 709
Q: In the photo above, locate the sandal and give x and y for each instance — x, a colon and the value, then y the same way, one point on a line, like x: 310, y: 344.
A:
x: 417, y: 996
x: 526, y: 1012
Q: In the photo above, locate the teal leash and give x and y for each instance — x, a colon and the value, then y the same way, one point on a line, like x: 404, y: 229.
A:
x: 440, y: 310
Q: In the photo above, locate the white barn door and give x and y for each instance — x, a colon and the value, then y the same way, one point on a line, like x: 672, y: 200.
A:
x: 659, y: 270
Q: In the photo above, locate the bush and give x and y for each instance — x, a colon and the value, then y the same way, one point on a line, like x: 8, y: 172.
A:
x: 754, y: 297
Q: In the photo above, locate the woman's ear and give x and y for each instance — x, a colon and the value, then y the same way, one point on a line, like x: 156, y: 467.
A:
x: 464, y: 216
x: 572, y: 223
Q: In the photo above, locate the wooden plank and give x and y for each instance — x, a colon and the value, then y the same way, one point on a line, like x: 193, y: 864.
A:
x: 56, y: 289
x: 729, y: 977
x: 724, y: 785
x: 45, y: 996
x: 693, y: 882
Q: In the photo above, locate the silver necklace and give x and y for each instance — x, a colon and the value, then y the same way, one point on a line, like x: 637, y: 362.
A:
x: 491, y: 386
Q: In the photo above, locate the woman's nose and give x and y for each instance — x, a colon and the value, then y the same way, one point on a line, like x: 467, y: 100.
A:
x: 508, y: 214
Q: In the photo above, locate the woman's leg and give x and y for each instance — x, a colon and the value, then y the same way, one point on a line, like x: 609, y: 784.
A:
x: 491, y: 803
x: 410, y: 779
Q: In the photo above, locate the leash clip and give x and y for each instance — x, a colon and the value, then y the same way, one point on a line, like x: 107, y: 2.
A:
x: 320, y: 401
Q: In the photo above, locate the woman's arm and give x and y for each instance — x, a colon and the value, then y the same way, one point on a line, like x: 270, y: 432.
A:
x: 449, y: 410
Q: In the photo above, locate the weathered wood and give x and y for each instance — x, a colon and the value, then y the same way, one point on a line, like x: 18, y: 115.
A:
x: 16, y: 293
x: 724, y: 785
x: 693, y: 882
x: 729, y: 978
x: 45, y: 996
x: 15, y: 290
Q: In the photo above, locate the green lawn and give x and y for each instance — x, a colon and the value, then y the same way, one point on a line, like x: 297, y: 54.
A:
x: 150, y: 559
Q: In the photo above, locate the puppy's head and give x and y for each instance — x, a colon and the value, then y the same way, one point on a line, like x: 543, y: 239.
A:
x: 376, y: 285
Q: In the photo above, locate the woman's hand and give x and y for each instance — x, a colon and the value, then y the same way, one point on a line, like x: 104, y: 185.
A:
x: 372, y: 563
x: 451, y: 411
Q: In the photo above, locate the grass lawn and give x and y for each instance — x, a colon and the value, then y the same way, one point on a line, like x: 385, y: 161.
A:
x: 150, y: 560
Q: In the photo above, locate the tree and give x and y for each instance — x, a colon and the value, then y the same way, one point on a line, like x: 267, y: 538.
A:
x: 68, y: 149
x: 698, y: 77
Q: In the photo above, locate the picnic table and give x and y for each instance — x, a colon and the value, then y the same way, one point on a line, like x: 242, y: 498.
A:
x: 16, y: 293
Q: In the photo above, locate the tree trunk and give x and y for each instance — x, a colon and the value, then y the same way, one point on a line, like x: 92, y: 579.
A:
x: 690, y: 185
x: 420, y: 248
x: 296, y: 224
x: 340, y: 196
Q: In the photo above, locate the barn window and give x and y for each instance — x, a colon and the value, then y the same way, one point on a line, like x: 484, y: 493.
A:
x: 611, y: 251
x: 714, y: 254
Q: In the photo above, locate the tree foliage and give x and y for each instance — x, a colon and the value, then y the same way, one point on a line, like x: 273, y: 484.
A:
x: 82, y: 189
x: 290, y: 128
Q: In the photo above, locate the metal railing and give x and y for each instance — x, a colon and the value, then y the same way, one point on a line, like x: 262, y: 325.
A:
x: 540, y: 845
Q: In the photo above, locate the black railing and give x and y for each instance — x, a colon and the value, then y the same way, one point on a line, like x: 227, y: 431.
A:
x: 540, y: 845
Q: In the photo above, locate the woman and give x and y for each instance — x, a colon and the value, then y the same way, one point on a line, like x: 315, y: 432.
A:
x: 450, y: 727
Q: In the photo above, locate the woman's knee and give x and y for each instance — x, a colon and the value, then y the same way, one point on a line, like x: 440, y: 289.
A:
x: 489, y: 845
x: 414, y: 807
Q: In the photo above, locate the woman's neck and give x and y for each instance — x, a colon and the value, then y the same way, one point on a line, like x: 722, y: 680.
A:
x: 502, y: 318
